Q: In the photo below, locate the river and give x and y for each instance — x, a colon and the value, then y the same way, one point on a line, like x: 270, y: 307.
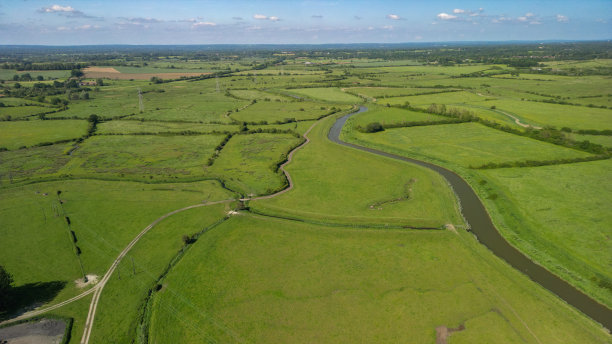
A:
x: 481, y: 225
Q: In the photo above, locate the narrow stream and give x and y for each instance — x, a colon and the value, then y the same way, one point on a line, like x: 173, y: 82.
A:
x: 481, y: 225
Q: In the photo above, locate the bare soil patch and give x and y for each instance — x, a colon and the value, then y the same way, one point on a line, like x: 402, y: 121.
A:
x: 443, y: 332
x: 45, y: 331
x: 91, y: 279
x: 100, y: 70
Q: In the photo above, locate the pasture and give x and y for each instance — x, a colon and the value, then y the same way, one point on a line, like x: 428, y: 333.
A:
x: 248, y: 163
x: 144, y: 156
x: 271, y: 112
x: 29, y: 133
x: 104, y: 215
x: 558, y: 216
x: 464, y: 144
x: 331, y: 94
x: 334, y: 184
x: 363, y: 248
x: 259, y: 279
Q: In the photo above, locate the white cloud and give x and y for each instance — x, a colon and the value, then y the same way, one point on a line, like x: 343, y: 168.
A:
x: 529, y: 14
x: 67, y: 11
x: 562, y: 19
x: 388, y: 27
x: 393, y: 16
x: 265, y: 17
x: 203, y: 24
x: 446, y: 16
x: 141, y: 20
x: 57, y: 8
x: 458, y: 11
x: 522, y: 19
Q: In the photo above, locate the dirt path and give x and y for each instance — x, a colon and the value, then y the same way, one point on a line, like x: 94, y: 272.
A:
x: 518, y: 121
x: 100, y: 286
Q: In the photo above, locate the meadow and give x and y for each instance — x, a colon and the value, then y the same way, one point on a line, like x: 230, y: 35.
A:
x: 256, y: 279
x: 334, y: 95
x: 145, y: 156
x: 363, y: 248
x: 389, y: 115
x: 273, y: 111
x: 29, y: 133
x: 463, y: 144
x: 248, y: 163
x: 338, y: 185
x: 104, y: 215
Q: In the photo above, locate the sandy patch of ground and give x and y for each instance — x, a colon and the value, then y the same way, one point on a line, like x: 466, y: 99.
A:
x: 232, y: 212
x: 451, y: 228
x: 443, y: 332
x: 100, y: 70
x: 91, y: 279
x: 45, y: 331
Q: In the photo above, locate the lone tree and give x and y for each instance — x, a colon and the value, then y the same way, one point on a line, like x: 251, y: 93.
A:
x: 77, y: 73
x: 6, y: 281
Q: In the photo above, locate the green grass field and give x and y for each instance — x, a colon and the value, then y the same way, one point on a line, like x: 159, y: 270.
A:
x: 464, y: 144
x: 255, y: 279
x: 386, y: 115
x: 575, y: 117
x: 126, y: 290
x: 155, y: 127
x: 562, y: 218
x: 281, y: 111
x: 104, y: 215
x: 18, y: 112
x: 32, y: 162
x: 145, y: 156
x: 358, y: 251
x: 424, y: 101
x: 388, y: 92
x: 28, y: 133
x: 330, y: 94
x: 340, y: 185
x: 247, y: 163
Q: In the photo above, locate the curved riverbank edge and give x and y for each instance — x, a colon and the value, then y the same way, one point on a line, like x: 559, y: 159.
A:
x: 481, y: 225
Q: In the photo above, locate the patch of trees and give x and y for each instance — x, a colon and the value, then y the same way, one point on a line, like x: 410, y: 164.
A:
x: 21, y: 66
x: 375, y: 127
x: 6, y: 286
x: 218, y: 149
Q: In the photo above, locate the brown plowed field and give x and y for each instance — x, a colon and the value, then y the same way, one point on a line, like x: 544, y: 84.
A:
x: 112, y: 73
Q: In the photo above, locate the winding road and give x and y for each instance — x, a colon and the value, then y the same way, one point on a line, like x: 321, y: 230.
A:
x: 481, y: 225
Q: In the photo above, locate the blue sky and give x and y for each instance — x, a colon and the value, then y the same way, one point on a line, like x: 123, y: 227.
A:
x: 75, y: 22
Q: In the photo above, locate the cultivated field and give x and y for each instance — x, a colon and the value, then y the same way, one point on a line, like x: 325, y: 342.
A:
x: 112, y: 73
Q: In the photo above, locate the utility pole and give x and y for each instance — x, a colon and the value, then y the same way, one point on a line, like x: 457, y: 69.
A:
x: 133, y: 267
x: 217, y: 80
x: 140, y: 103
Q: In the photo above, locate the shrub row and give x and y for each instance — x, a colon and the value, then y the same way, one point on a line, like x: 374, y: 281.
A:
x: 534, y: 163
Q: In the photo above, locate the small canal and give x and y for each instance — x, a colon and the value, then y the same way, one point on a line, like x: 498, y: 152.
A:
x: 481, y: 225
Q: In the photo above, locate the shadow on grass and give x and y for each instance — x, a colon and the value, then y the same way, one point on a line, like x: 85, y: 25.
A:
x: 28, y: 297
